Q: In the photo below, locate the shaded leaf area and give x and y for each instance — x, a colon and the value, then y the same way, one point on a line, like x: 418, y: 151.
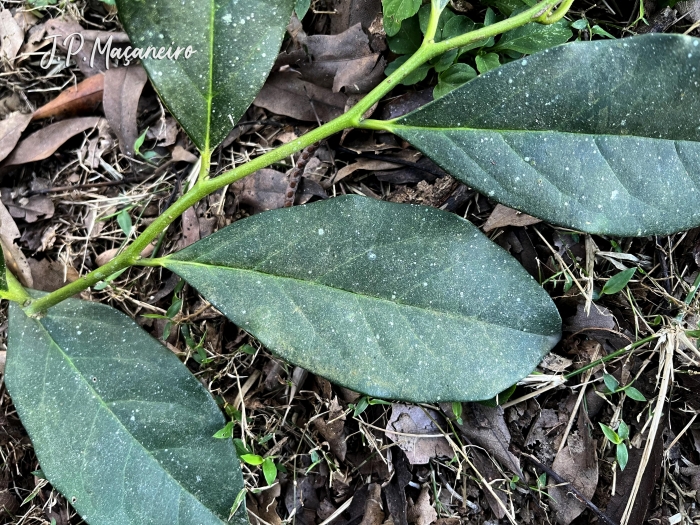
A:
x: 118, y: 423
x: 571, y: 135
x: 352, y: 286
x: 235, y: 43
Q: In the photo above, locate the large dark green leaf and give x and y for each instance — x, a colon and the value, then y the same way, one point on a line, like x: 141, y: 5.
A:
x: 119, y: 425
x: 235, y: 42
x: 599, y: 136
x: 392, y: 300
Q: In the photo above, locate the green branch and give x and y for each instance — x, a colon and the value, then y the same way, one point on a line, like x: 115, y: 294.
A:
x: 541, y: 12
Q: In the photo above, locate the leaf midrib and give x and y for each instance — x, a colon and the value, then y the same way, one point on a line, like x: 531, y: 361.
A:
x: 398, y: 127
x: 168, y: 262
x: 113, y: 415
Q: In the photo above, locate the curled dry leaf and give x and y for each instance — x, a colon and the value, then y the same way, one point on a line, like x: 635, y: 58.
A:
x: 577, y: 462
x: 11, y: 130
x: 11, y: 36
x: 180, y: 154
x: 502, y: 216
x: 285, y: 93
x: 332, y: 428
x: 43, y: 143
x: 422, y: 512
x: 374, y: 514
x: 413, y: 420
x: 83, y: 98
x: 122, y: 92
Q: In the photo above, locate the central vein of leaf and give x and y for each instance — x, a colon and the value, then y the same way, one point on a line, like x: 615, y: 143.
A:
x: 210, y: 93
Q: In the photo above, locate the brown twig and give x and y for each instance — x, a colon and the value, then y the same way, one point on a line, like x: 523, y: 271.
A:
x: 583, y: 499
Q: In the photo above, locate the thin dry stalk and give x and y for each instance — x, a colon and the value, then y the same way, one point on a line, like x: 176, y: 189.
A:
x: 668, y: 343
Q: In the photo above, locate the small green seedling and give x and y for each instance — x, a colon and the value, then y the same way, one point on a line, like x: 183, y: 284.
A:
x: 365, y: 401
x: 617, y: 282
x: 618, y: 439
x: 613, y: 387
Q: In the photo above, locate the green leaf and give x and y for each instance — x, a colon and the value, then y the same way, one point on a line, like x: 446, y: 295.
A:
x: 597, y: 30
x: 408, y: 39
x: 301, y: 7
x: 635, y: 394
x: 622, y: 455
x: 623, y: 430
x: 617, y: 282
x: 139, y: 142
x: 610, y: 382
x: 235, y: 44
x: 385, y: 299
x: 118, y: 423
x: 532, y: 38
x: 610, y: 434
x: 569, y: 135
x: 396, y: 11
x: 269, y: 471
x: 452, y: 78
x: 225, y: 432
x: 414, y: 77
x: 580, y: 24
x: 487, y: 62
x: 252, y: 459
x: 124, y: 221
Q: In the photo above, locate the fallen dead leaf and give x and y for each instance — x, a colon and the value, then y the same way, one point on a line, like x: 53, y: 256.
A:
x: 30, y: 209
x: 97, y: 145
x: 374, y: 513
x: 190, y: 228
x: 11, y: 130
x: 486, y: 427
x: 363, y: 164
x: 164, y: 133
x: 11, y: 36
x: 264, y: 190
x: 332, y: 428
x: 44, y: 143
x: 285, y: 93
x: 76, y: 100
x: 14, y: 258
x: 49, y: 276
x: 35, y: 40
x: 122, y: 91
x: 264, y: 506
x: 340, y: 62
x: 409, y: 419
x: 421, y: 512
x: 502, y: 216
x: 576, y: 462
x: 347, y: 13
x: 180, y: 154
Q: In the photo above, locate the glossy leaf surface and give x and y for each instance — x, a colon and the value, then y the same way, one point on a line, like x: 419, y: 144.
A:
x: 391, y: 300
x: 235, y: 44
x: 118, y: 423
x: 599, y: 136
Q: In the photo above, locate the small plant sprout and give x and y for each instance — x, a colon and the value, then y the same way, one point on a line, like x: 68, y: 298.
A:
x: 612, y: 386
x: 618, y: 439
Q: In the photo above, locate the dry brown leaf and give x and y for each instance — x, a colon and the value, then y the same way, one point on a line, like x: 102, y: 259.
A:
x: 576, y: 462
x: 164, y: 133
x: 11, y: 130
x: 264, y: 190
x: 422, y: 512
x: 374, y: 513
x: 46, y: 141
x: 81, y: 99
x: 11, y: 36
x: 347, y: 13
x: 122, y: 92
x: 14, y: 258
x: 343, y: 61
x: 332, y: 428
x: 49, y: 276
x: 598, y: 317
x: 285, y: 93
x: 30, y: 209
x: 180, y: 154
x: 486, y: 427
x: 409, y: 419
x: 190, y: 228
x: 363, y: 164
x: 35, y: 40
x: 97, y: 145
x: 264, y: 506
x: 502, y: 216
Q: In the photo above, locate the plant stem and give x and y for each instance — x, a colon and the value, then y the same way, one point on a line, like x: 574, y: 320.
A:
x: 353, y: 118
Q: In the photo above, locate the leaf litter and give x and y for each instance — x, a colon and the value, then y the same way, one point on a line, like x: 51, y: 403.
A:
x: 339, y: 461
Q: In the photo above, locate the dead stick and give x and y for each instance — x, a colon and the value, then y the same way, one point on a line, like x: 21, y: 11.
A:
x: 583, y: 499
x: 296, y: 173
